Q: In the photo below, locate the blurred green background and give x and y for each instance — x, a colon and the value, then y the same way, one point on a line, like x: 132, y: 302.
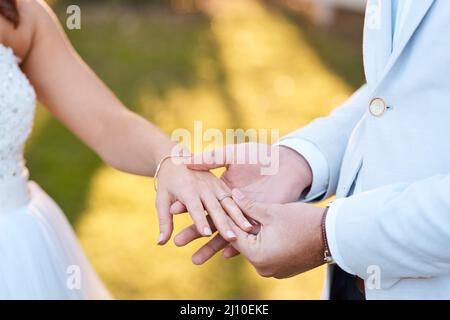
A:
x: 232, y: 64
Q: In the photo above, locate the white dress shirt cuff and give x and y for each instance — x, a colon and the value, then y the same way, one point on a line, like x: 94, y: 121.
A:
x: 332, y: 237
x: 316, y: 161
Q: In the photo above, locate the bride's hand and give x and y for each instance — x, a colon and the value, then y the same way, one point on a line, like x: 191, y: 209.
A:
x: 198, y: 191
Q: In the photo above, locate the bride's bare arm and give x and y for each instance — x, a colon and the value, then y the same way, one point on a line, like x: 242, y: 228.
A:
x: 126, y: 141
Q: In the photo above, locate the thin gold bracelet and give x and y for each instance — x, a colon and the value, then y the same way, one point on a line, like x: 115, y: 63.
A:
x: 158, y: 168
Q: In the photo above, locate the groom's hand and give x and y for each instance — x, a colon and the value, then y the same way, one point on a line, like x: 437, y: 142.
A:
x: 246, y: 164
x: 245, y: 171
x: 289, y: 241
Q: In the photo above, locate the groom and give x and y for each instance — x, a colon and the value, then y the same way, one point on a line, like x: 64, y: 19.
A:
x: 385, y: 154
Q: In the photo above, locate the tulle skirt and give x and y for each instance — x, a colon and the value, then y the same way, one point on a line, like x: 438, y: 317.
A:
x: 40, y: 257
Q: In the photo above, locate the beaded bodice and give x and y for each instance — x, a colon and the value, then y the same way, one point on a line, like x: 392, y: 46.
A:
x: 17, y: 107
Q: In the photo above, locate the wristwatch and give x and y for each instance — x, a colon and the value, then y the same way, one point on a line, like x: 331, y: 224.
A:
x: 327, y: 256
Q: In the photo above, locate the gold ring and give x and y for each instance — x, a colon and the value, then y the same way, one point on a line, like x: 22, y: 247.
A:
x: 223, y: 197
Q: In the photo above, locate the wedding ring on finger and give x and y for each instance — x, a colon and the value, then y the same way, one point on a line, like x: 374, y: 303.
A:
x: 224, y: 196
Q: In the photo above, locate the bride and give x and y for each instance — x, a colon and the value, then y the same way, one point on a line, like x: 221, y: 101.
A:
x: 38, y: 248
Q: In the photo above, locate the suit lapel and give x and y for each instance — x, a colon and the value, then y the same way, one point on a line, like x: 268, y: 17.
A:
x: 415, y: 16
x: 377, y: 46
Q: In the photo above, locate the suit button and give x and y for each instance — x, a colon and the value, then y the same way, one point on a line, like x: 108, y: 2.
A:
x: 377, y: 107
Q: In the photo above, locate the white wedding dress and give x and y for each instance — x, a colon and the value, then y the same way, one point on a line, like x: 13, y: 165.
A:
x: 40, y: 257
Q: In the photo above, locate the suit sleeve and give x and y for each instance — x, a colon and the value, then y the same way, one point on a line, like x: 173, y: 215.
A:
x: 330, y: 135
x: 402, y: 229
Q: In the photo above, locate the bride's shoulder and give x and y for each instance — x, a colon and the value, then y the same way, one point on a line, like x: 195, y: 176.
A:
x: 37, y: 13
x: 34, y: 16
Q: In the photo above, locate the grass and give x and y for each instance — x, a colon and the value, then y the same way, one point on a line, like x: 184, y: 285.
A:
x: 236, y: 64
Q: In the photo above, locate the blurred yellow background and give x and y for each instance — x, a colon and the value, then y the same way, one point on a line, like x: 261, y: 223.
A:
x: 232, y: 64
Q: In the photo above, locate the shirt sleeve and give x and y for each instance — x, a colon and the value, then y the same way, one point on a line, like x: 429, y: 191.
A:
x: 330, y: 229
x: 316, y: 161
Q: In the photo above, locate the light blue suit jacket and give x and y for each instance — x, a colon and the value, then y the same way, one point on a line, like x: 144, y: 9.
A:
x: 395, y: 233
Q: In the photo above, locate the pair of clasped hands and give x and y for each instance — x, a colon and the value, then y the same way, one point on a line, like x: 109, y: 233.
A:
x: 252, y: 214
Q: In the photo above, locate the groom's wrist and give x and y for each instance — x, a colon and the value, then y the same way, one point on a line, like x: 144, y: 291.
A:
x: 314, y: 243
x: 295, y: 169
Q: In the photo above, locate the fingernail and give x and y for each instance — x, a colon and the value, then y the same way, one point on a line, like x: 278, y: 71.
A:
x: 196, y: 261
x: 160, y: 239
x: 207, y: 232
x: 237, y: 194
x: 230, y: 234
x: 248, y: 225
